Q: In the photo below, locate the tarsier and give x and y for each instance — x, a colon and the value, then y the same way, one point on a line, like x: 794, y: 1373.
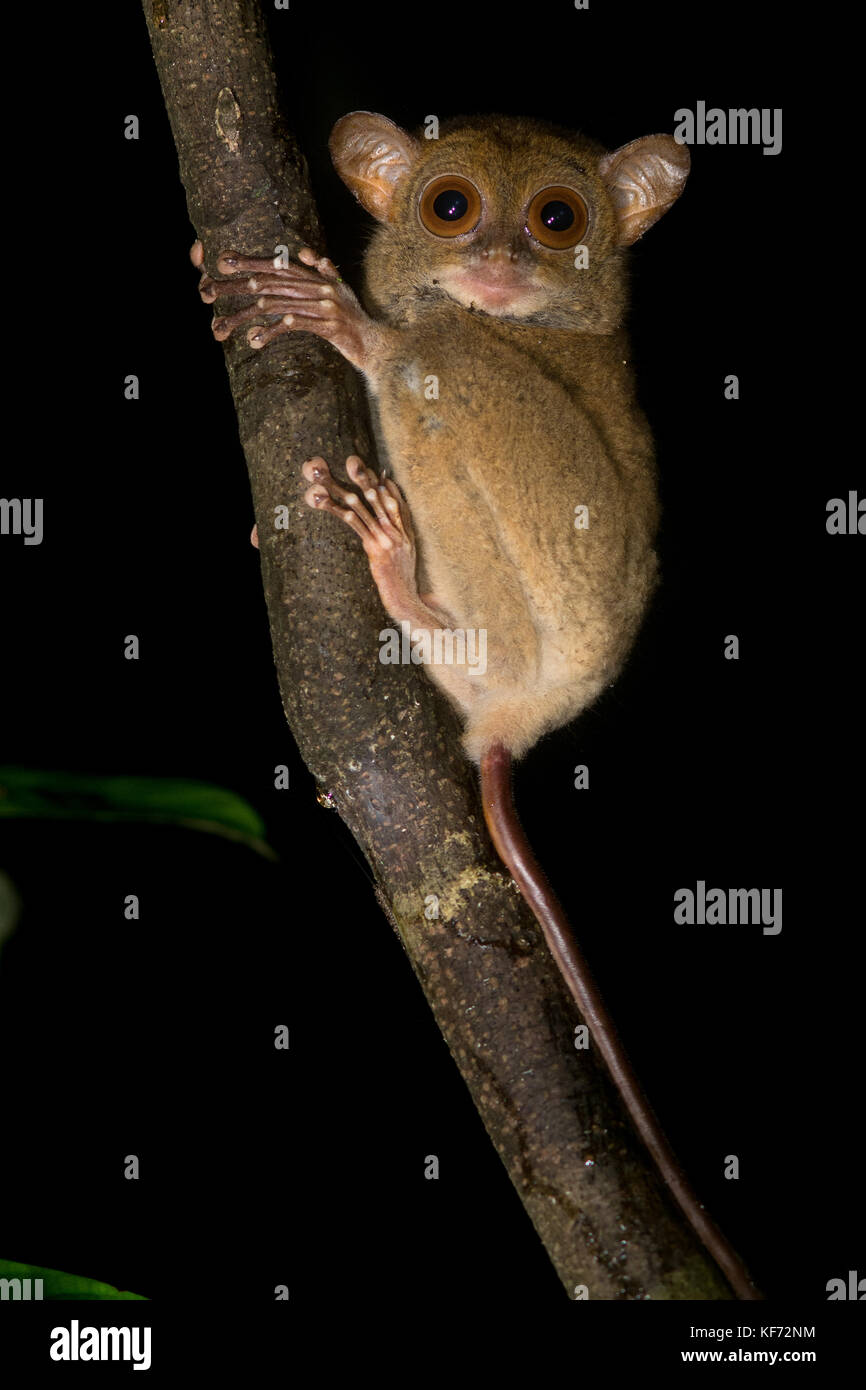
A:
x: 521, y: 496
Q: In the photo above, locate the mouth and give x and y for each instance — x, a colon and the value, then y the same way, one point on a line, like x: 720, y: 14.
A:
x: 493, y: 290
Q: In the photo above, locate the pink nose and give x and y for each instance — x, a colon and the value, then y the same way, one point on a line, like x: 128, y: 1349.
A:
x: 499, y: 255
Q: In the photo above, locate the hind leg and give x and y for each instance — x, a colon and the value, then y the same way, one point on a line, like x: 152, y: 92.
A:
x: 378, y: 514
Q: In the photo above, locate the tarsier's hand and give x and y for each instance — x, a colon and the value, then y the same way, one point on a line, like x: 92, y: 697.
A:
x: 310, y: 298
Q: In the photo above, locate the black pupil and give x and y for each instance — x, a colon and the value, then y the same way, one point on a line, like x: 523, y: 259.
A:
x: 557, y: 216
x: 450, y: 205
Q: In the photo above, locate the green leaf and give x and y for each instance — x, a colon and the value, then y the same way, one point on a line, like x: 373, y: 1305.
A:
x: 55, y: 1285
x: 35, y: 793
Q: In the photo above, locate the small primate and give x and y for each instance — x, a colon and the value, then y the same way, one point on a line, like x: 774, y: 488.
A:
x: 521, y: 497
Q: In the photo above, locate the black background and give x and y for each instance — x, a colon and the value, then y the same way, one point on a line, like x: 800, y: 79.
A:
x: 155, y: 1037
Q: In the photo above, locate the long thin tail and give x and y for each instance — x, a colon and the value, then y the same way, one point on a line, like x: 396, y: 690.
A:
x: 515, y: 852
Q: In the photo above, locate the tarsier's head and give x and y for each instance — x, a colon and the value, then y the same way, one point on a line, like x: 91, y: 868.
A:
x: 505, y: 216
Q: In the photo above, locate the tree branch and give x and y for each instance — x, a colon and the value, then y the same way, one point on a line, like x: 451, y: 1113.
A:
x: 379, y: 738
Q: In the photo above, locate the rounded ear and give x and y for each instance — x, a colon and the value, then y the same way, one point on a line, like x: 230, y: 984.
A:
x: 644, y: 179
x: 372, y: 154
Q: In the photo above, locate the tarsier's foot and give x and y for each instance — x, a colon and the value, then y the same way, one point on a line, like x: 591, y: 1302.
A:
x: 377, y: 512
x: 380, y: 516
x: 310, y: 298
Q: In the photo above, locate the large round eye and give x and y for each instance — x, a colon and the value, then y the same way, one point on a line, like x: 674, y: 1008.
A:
x: 557, y: 217
x: 450, y: 205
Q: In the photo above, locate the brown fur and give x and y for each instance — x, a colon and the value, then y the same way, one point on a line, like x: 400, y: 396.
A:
x: 536, y: 414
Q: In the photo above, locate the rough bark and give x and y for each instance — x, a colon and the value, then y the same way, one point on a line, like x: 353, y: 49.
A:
x: 379, y: 739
